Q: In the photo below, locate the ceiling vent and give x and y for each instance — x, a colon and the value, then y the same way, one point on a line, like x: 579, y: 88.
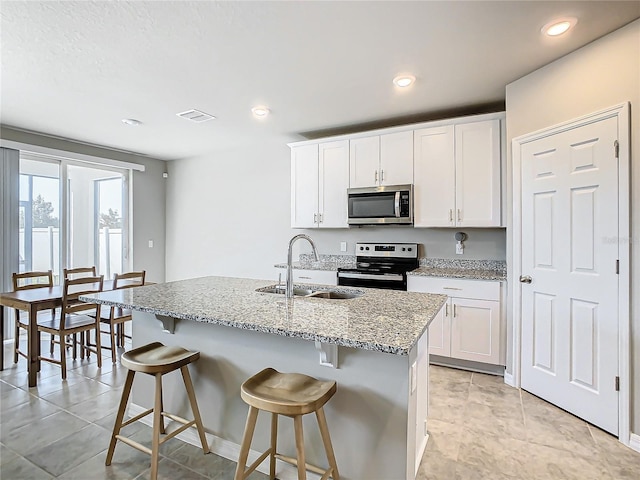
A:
x: 196, y: 116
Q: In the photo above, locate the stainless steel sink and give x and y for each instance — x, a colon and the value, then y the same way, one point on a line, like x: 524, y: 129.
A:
x: 312, y: 293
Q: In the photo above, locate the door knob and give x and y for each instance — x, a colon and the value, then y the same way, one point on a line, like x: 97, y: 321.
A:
x: 525, y: 279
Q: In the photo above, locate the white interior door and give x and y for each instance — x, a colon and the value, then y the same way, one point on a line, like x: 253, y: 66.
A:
x: 570, y: 252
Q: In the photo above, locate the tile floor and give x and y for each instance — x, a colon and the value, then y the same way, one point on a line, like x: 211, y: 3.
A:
x: 480, y: 429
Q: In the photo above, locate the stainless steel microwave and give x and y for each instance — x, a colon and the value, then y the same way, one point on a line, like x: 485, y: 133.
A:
x: 392, y: 204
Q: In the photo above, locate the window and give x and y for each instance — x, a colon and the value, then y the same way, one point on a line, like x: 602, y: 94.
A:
x: 73, y: 214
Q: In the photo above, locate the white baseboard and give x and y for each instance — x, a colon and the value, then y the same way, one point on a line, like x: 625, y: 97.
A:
x: 226, y: 448
x: 634, y: 442
x: 509, y: 379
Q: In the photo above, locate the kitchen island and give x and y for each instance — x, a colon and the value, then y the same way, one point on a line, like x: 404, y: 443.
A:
x: 374, y: 346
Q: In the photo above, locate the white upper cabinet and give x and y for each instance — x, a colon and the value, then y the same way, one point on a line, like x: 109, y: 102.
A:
x: 478, y: 174
x: 454, y: 166
x: 333, y: 173
x: 457, y: 175
x: 435, y: 177
x: 319, y: 182
x: 304, y: 186
x: 396, y: 158
x: 381, y: 160
x: 364, y: 162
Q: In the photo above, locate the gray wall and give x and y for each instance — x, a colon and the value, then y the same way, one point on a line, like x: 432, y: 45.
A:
x: 599, y: 75
x: 148, y: 210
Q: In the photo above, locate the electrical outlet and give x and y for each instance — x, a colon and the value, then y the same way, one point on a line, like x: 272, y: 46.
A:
x: 343, y: 246
x: 150, y: 243
x: 459, y: 248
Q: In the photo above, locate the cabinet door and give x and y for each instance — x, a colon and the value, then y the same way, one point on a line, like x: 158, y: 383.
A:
x: 364, y: 162
x: 396, y: 158
x: 440, y: 332
x: 334, y: 180
x: 475, y: 330
x: 434, y: 177
x: 304, y: 186
x: 478, y: 188
x: 316, y: 277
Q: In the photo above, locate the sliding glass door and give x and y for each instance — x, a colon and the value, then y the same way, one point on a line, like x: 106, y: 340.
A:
x: 73, y: 214
x: 39, y: 244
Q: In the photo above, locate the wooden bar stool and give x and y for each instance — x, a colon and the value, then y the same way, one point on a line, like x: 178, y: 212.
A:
x: 292, y: 395
x: 156, y: 359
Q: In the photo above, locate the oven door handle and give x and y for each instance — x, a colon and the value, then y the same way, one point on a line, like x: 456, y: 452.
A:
x: 397, y: 204
x: 364, y: 276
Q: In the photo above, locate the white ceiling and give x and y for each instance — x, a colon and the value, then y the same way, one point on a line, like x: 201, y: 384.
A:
x: 75, y: 69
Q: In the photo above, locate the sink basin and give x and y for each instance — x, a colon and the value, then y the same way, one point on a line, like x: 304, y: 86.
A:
x: 312, y: 293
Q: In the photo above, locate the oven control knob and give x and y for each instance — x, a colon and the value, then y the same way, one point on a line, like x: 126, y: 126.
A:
x: 361, y: 248
x: 403, y: 249
x: 409, y: 248
x: 367, y: 248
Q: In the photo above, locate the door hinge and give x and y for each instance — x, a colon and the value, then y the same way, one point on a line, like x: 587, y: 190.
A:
x: 616, y: 148
x: 617, y: 384
x: 617, y: 267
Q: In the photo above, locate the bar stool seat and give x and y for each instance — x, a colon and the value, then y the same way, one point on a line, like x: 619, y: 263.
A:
x: 156, y: 359
x: 292, y: 395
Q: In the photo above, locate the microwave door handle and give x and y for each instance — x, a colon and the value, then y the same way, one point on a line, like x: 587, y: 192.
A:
x: 397, y: 204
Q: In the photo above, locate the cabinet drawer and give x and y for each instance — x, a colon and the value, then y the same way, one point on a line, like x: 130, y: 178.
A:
x: 456, y: 287
x: 323, y: 277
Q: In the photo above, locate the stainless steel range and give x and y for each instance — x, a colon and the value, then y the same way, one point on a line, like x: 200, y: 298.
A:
x: 381, y: 265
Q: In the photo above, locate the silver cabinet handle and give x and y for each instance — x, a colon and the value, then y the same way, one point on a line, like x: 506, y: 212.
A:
x: 320, y: 218
x: 455, y: 313
x: 459, y: 219
x: 304, y: 278
x: 446, y: 309
x: 451, y: 214
x: 451, y: 288
x: 315, y: 218
x: 382, y: 175
x: 376, y: 176
x: 525, y: 279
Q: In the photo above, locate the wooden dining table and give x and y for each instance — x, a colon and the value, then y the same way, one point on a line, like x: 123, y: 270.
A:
x: 32, y: 301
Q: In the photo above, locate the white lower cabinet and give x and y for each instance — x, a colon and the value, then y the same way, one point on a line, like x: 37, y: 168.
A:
x: 469, y: 325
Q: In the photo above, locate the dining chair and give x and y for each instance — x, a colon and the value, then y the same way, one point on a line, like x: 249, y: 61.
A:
x: 76, y: 316
x: 77, y: 272
x: 116, y: 317
x: 28, y: 281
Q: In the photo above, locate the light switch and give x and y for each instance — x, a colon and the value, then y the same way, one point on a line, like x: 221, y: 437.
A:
x: 150, y: 243
x: 343, y: 246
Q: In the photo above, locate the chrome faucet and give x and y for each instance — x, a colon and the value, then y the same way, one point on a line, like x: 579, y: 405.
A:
x: 289, y: 291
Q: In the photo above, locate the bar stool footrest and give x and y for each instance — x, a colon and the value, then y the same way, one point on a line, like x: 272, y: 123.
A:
x: 307, y: 466
x: 134, y: 444
x: 136, y: 418
x: 177, y: 431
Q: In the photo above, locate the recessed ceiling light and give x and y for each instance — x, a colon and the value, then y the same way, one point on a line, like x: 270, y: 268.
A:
x: 403, y: 81
x: 260, y: 111
x: 559, y: 26
x: 131, y: 121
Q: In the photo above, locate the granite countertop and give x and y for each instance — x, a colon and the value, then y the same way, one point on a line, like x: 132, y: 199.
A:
x: 429, y: 267
x: 380, y: 320
x: 469, y: 269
